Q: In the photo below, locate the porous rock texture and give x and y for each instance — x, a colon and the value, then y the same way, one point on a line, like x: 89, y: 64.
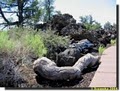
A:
x: 48, y: 69
x: 73, y: 53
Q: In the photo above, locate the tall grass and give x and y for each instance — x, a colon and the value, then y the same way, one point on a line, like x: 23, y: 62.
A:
x: 26, y: 43
x: 22, y: 41
x: 101, y: 49
x: 35, y: 44
x: 113, y: 42
x: 53, y: 43
x: 50, y: 39
x: 6, y: 44
x: 29, y: 41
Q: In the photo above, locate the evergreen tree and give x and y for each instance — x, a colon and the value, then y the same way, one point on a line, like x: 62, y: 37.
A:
x: 107, y: 26
x: 48, y: 10
x: 89, y: 22
x: 27, y: 11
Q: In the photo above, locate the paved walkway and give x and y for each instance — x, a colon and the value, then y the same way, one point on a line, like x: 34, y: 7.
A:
x: 105, y: 75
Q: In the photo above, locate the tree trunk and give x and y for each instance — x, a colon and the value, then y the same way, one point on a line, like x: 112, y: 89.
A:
x: 48, y: 69
x: 49, y: 13
x: 6, y: 20
x: 20, y: 12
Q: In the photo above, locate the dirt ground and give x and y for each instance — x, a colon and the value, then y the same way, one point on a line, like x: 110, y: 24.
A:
x: 34, y: 81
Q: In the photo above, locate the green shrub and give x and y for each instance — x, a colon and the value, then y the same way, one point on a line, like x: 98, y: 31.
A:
x: 101, y: 49
x: 51, y: 39
x: 113, y: 42
x: 28, y: 41
x: 18, y: 33
x: 6, y: 44
x: 53, y: 42
x: 25, y: 42
x: 35, y: 44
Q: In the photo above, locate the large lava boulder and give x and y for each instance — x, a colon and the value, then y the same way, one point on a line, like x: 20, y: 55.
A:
x: 73, y: 53
x: 84, y: 34
x: 48, y: 69
x: 68, y: 57
x: 104, y: 36
x: 72, y: 29
x: 60, y: 21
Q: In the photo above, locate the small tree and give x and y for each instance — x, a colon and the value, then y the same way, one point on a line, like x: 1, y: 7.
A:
x: 89, y: 22
x: 48, y: 10
x: 107, y: 26
x: 95, y: 26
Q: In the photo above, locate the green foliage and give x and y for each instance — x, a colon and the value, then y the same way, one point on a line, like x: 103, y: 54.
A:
x: 23, y: 43
x: 6, y: 44
x: 113, y: 42
x: 89, y: 23
x: 58, y: 12
x: 38, y: 43
x: 107, y: 26
x: 101, y: 49
x: 53, y: 42
x: 28, y: 11
x: 34, y: 12
x: 29, y: 40
x: 87, y: 19
x: 95, y: 26
x: 50, y: 39
x: 35, y: 44
x: 16, y: 33
x: 48, y: 10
